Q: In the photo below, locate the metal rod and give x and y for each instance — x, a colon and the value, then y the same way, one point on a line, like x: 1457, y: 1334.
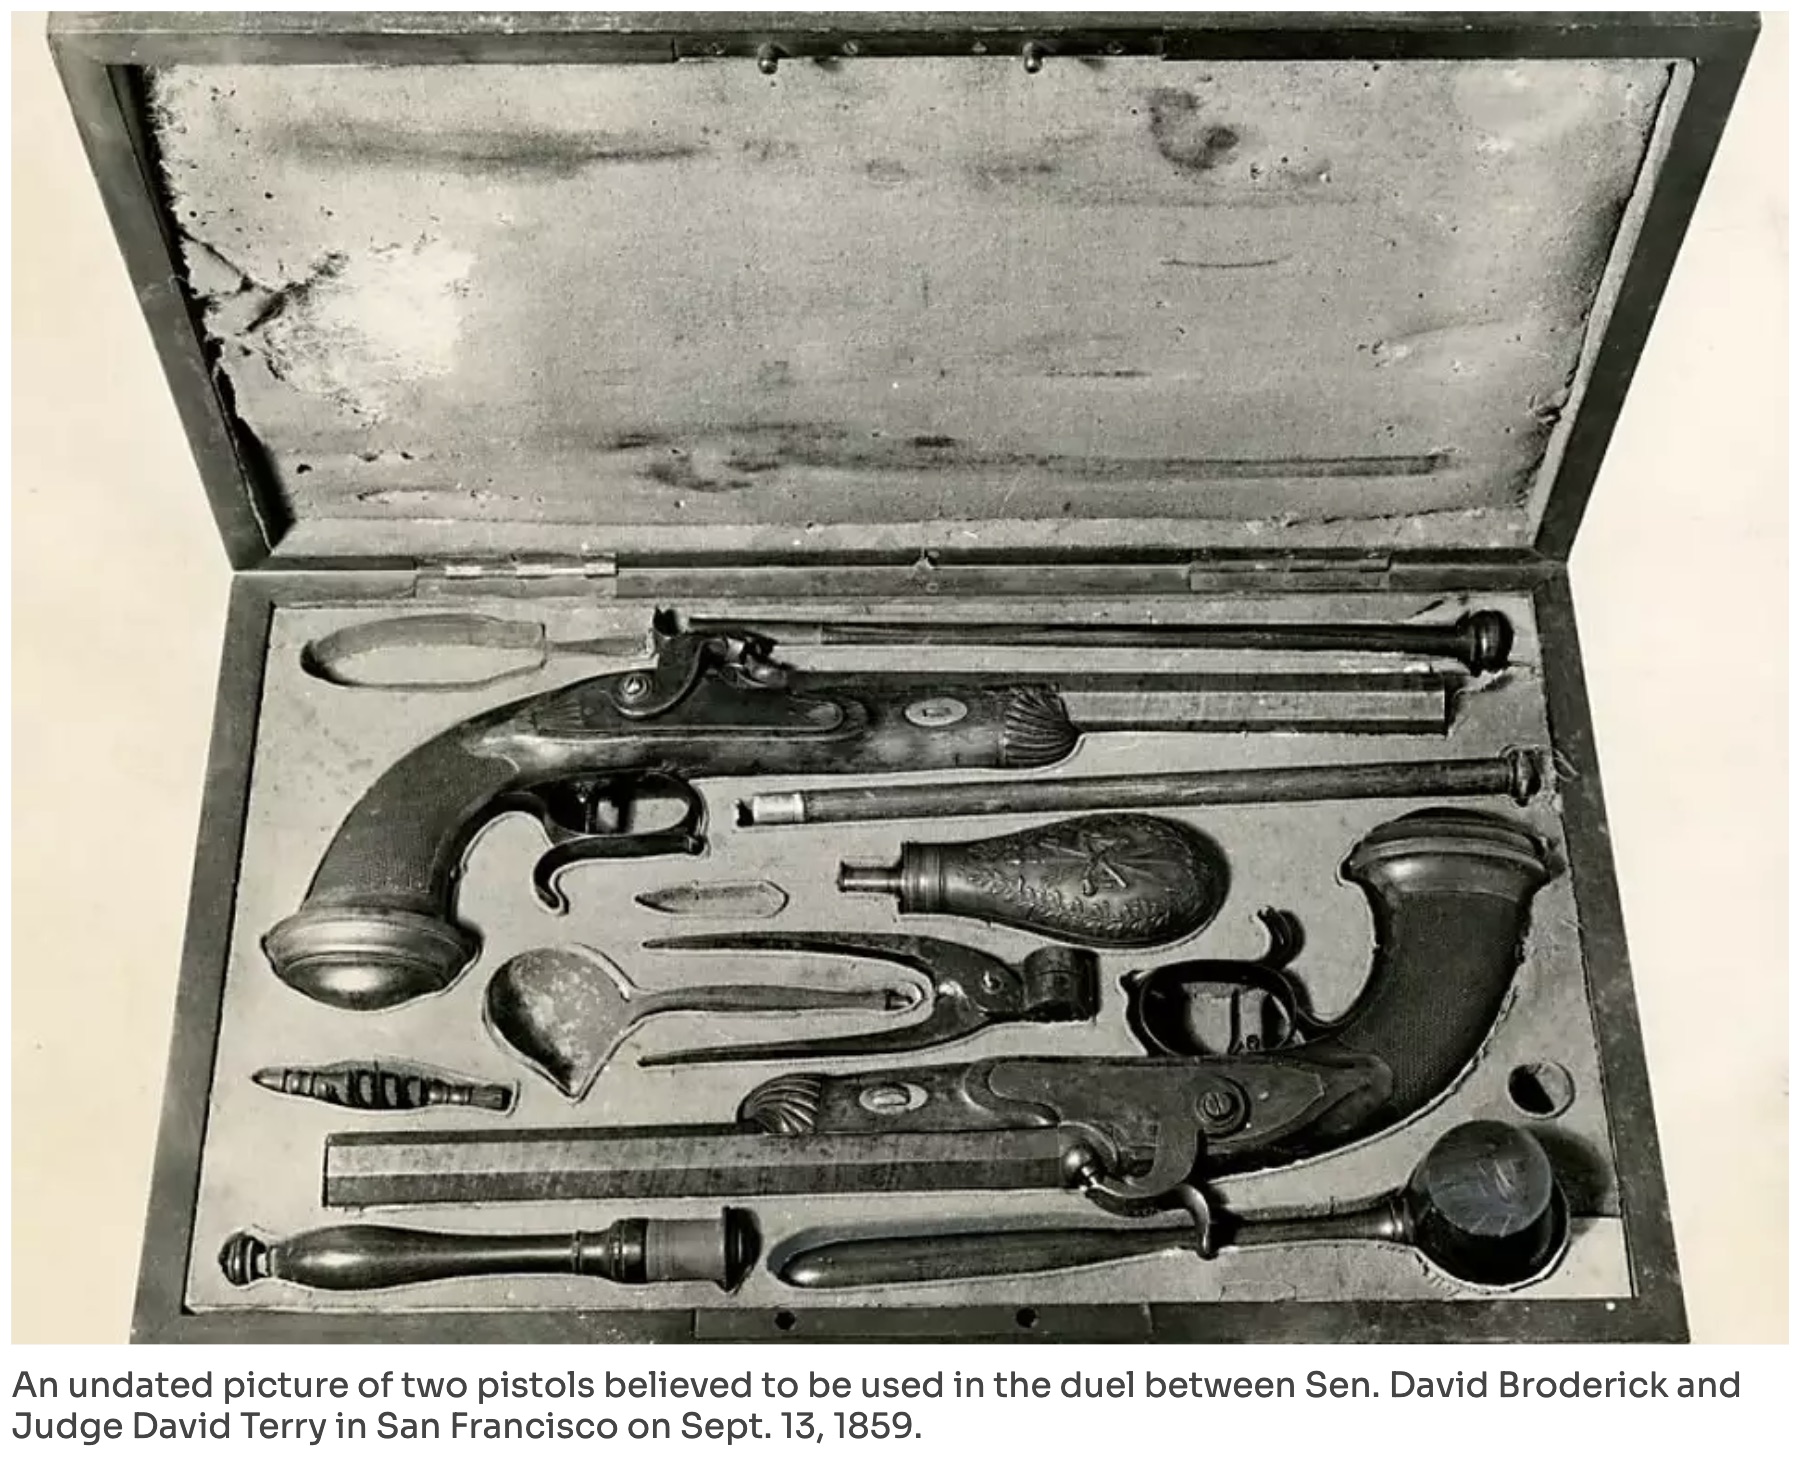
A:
x: 1481, y: 641
x: 1517, y: 773
x: 971, y: 1255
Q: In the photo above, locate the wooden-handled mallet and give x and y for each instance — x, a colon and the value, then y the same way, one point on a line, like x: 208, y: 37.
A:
x: 376, y: 1257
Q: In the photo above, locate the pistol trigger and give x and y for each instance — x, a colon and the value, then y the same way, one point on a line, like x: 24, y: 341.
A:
x: 1262, y: 1022
x: 574, y: 807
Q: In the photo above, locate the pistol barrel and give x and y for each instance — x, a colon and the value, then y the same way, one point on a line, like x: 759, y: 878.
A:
x: 473, y: 1167
x: 1481, y: 640
x: 1516, y: 774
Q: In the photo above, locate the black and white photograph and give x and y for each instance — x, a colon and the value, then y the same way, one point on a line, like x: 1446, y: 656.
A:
x: 898, y: 676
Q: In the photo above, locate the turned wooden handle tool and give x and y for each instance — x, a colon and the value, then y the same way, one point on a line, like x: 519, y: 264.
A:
x: 377, y: 1257
x: 380, y: 1086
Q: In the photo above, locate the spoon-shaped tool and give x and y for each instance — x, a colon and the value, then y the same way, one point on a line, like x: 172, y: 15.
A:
x: 565, y: 1011
x: 1484, y: 1206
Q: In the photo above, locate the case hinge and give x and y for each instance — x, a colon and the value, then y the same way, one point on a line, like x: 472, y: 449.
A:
x: 596, y: 576
x: 1288, y: 572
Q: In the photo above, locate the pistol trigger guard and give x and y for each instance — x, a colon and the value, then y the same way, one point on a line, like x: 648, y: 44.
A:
x: 581, y: 841
x: 1156, y: 999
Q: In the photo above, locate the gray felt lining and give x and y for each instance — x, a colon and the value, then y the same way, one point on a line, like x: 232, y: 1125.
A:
x: 319, y: 747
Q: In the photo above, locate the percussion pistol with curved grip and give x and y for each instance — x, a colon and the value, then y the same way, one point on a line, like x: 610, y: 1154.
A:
x: 377, y: 927
x: 1450, y: 891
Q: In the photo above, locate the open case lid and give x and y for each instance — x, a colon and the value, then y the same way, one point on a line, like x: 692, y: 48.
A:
x: 838, y: 285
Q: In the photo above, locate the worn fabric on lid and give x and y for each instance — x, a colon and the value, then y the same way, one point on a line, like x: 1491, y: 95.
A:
x: 1297, y: 301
